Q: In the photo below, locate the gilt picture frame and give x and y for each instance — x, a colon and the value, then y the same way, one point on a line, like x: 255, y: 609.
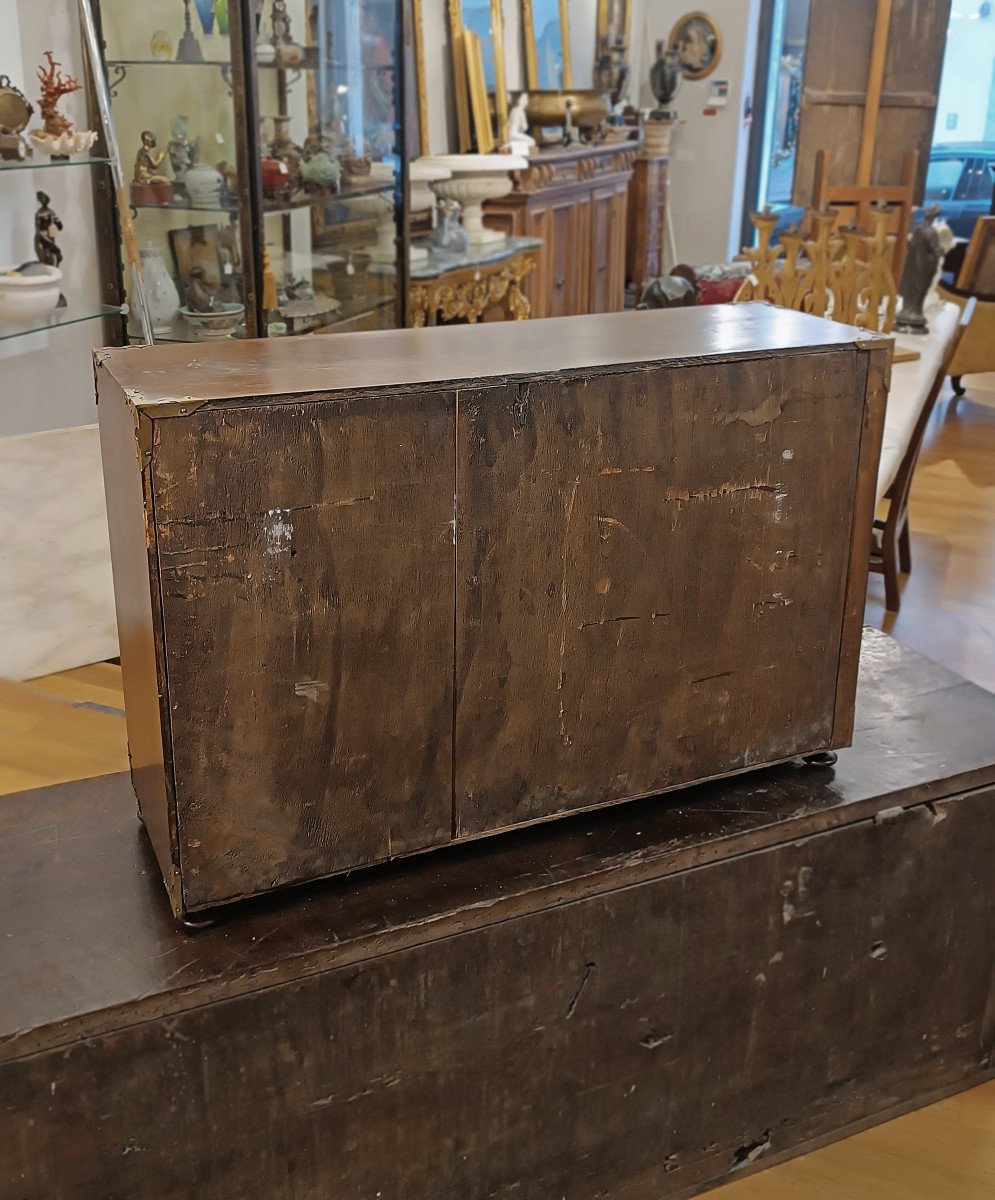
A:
x: 614, y: 23
x: 490, y: 35
x: 477, y: 86
x: 533, y: 74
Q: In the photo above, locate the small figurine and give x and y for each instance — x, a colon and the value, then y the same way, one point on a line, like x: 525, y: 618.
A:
x: 286, y: 150
x: 183, y: 154
x: 46, y: 224
x: 319, y: 171
x: 922, y: 261
x: 201, y: 297
x: 356, y: 170
x: 58, y: 137
x: 286, y: 51
x: 519, y: 139
x: 569, y: 131
x: 149, y: 185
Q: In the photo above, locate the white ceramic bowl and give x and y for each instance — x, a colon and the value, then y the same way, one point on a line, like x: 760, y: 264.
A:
x: 25, y: 299
x: 209, y: 326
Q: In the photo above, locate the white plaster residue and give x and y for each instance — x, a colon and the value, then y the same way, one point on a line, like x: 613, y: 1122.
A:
x: 787, y: 455
x: 310, y: 689
x: 279, y: 530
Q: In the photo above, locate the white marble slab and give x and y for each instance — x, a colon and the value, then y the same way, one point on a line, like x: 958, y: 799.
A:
x: 56, y: 594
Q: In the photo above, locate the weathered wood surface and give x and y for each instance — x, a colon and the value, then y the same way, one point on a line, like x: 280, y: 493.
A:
x: 312, y: 592
x: 305, y: 558
x: 637, y: 1002
x: 309, y: 369
x: 649, y: 589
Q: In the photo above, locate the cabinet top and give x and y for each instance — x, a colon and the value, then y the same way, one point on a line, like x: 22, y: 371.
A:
x: 175, y: 379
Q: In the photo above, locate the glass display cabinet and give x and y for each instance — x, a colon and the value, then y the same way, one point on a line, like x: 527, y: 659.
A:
x: 265, y: 145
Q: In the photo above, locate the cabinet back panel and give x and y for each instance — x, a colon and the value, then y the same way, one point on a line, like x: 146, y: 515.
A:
x: 651, y: 571
x: 305, y: 556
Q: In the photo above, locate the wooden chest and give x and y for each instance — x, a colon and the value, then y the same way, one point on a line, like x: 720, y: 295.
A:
x: 642, y: 1002
x: 383, y: 592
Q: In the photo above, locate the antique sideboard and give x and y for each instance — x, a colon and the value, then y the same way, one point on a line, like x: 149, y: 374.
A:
x: 575, y: 200
x: 382, y: 592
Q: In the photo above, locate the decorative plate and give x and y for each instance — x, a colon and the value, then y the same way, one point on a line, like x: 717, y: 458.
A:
x: 697, y: 38
x: 15, y: 111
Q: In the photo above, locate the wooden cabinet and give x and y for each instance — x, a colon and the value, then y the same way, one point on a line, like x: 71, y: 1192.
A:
x: 652, y: 573
x: 575, y: 200
x: 647, y: 221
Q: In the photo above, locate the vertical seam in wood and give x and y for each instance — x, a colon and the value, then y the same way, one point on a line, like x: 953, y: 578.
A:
x: 452, y: 745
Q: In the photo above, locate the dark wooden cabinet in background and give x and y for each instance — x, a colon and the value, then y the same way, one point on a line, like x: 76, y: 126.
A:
x: 653, y: 573
x: 575, y: 200
x: 646, y: 232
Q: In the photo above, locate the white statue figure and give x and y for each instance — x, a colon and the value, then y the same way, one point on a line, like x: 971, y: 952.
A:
x: 518, y: 128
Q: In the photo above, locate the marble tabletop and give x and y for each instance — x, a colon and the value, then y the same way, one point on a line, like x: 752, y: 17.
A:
x: 476, y: 256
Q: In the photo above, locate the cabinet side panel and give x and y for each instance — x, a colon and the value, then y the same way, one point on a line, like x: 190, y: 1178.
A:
x: 876, y: 370
x: 651, y: 579
x: 306, y: 554
x: 136, y: 599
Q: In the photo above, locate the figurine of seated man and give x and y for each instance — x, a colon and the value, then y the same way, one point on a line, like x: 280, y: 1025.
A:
x: 148, y: 161
x: 519, y: 139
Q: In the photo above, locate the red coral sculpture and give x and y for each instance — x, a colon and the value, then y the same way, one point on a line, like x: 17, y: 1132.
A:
x: 55, y: 85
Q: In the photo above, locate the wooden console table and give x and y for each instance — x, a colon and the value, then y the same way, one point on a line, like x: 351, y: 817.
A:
x: 686, y: 991
x: 575, y: 200
x: 484, y: 284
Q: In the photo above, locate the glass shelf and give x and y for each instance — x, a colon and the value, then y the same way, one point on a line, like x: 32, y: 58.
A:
x: 56, y: 320
x: 308, y: 63
x: 276, y: 206
x: 45, y: 164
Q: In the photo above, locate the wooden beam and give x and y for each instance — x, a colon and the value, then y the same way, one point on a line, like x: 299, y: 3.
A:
x: 875, y: 82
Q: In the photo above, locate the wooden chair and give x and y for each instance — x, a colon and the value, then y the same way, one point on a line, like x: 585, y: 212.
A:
x: 853, y: 202
x: 974, y: 295
x: 891, y: 550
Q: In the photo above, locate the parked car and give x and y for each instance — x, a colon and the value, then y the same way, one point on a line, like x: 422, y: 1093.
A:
x: 960, y: 179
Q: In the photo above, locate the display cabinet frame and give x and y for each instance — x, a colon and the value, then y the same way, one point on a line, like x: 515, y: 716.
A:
x: 249, y: 206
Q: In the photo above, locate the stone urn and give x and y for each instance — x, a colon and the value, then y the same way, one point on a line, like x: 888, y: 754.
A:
x: 665, y: 80
x: 421, y: 176
x: 476, y: 178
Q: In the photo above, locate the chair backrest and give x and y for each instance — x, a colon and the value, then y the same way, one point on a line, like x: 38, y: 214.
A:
x: 854, y: 204
x: 977, y: 272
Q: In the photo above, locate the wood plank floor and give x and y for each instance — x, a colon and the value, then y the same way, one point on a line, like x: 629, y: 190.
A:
x: 71, y: 726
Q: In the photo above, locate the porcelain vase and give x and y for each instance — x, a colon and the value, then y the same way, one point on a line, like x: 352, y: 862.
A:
x: 160, y: 291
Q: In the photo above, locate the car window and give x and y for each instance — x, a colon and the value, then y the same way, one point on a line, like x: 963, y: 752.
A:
x: 942, y: 177
x: 977, y: 181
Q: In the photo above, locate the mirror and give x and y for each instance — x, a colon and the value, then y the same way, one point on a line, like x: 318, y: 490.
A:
x: 483, y: 20
x: 546, y: 31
